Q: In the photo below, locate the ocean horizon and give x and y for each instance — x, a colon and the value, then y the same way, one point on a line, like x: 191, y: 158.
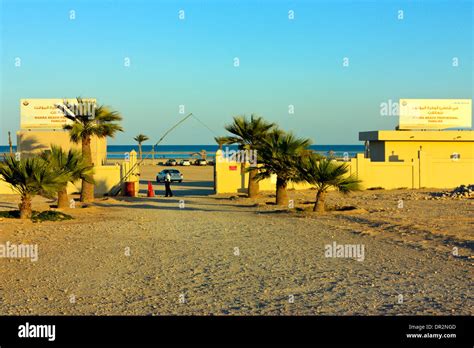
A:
x: 185, y: 151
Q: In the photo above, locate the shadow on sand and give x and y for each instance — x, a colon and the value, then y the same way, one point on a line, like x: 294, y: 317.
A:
x: 144, y: 203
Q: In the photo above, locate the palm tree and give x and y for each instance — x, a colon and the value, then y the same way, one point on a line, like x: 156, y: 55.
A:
x: 249, y: 134
x: 73, y: 166
x: 279, y: 155
x: 140, y: 138
x: 30, y: 177
x: 10, y: 142
x: 102, y: 124
x: 325, y: 173
x: 221, y: 141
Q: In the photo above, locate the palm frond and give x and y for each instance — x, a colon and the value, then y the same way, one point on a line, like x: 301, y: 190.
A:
x: 71, y: 164
x: 324, y: 173
x: 248, y: 133
x: 279, y: 154
x: 103, y: 124
x: 31, y: 176
x: 140, y: 138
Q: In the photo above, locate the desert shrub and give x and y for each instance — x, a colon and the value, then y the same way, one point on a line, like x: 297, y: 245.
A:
x: 48, y: 215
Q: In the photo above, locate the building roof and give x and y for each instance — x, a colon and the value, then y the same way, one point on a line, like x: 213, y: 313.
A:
x: 400, y: 135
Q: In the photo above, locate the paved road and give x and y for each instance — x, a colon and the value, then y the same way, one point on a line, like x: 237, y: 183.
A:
x: 198, y: 181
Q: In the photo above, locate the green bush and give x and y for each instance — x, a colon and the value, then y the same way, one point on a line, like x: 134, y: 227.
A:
x: 47, y: 215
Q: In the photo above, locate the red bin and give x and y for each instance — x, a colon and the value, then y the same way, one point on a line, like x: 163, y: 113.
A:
x: 130, y: 189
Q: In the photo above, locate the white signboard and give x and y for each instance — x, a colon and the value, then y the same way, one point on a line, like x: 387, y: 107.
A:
x: 44, y: 114
x: 435, y: 113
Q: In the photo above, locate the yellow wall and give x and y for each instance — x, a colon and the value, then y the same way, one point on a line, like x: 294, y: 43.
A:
x: 106, y: 178
x: 436, y: 172
x: 32, y: 142
x: 388, y: 175
x: 230, y: 180
x: 392, y: 146
x: 110, y: 176
x: 130, y: 172
x: 5, y: 188
x: 236, y: 181
x: 432, y: 168
x: 443, y: 150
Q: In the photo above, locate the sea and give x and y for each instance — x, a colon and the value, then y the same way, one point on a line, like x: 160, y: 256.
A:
x: 186, y: 151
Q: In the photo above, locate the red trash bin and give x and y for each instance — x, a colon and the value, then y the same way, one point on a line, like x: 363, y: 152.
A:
x: 130, y: 189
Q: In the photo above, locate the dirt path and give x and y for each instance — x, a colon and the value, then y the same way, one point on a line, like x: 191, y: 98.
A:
x: 218, y: 256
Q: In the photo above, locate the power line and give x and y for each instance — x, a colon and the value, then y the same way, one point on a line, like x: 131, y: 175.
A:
x: 169, y: 130
x: 202, y: 123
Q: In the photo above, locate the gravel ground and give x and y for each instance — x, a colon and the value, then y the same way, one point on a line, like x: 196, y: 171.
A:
x: 221, y: 256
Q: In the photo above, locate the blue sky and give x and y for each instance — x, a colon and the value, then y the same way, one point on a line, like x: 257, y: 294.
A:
x: 191, y: 62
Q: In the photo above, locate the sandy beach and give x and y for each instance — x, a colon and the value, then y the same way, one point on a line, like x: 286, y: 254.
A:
x: 228, y: 255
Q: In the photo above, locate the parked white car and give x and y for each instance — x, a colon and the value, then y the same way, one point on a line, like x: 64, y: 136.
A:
x: 200, y: 162
x: 171, y: 162
x: 174, y: 173
x: 185, y: 163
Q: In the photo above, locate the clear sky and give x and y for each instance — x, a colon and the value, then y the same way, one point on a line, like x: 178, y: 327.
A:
x: 190, y: 62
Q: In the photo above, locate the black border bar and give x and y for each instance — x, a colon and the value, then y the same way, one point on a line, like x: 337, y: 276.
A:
x: 193, y: 330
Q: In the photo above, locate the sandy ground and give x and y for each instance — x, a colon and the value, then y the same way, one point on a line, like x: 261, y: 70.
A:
x: 225, y: 255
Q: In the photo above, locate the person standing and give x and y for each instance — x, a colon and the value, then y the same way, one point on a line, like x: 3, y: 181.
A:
x: 168, y: 192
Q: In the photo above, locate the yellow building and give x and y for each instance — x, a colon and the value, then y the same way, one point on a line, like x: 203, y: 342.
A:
x: 106, y: 177
x: 42, y: 126
x: 403, y: 146
x: 397, y: 159
x: 32, y: 142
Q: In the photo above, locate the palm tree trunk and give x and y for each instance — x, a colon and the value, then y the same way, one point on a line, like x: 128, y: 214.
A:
x: 319, y: 205
x: 25, y: 207
x: 254, y: 186
x: 140, y: 151
x: 10, y: 143
x: 281, y: 193
x: 63, y: 199
x: 87, y: 191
